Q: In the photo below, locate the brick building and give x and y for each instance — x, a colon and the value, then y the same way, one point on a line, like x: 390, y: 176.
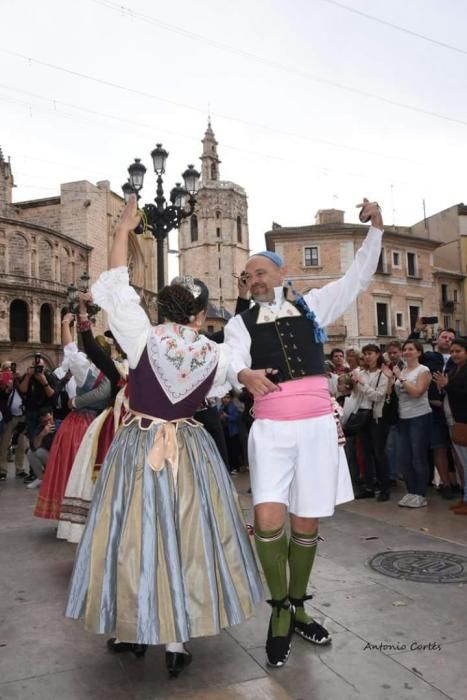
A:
x: 48, y: 244
x: 406, y: 285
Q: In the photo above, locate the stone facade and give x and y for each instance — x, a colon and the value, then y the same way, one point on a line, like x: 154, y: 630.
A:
x: 406, y: 285
x: 214, y: 241
x: 48, y: 244
x: 450, y: 262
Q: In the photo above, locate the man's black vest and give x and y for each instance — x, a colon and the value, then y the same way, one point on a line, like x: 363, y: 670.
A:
x: 287, y: 344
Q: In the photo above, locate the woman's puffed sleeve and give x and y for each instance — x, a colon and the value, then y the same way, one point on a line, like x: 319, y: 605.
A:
x: 221, y: 385
x: 77, y: 362
x: 127, y: 320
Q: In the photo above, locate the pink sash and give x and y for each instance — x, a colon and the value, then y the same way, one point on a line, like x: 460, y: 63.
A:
x: 301, y: 398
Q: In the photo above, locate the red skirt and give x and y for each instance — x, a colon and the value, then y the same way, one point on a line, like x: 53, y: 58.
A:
x: 60, y: 461
x: 106, y: 436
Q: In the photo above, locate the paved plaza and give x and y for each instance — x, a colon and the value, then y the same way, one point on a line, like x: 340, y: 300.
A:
x: 392, y: 638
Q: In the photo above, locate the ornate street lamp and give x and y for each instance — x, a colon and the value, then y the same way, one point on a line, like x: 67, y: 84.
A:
x: 93, y: 309
x: 72, y: 298
x: 160, y: 218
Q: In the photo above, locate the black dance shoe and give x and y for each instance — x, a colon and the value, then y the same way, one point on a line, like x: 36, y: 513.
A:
x: 278, y: 648
x: 176, y: 661
x: 311, y: 631
x: 383, y: 496
x: 364, y: 493
x: 138, y: 650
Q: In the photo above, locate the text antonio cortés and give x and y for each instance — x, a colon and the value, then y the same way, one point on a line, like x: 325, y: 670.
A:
x: 401, y: 646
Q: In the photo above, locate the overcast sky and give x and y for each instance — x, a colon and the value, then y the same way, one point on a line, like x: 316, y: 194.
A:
x: 313, y: 105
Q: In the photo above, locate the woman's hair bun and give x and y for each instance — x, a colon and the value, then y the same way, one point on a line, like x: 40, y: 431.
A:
x: 176, y: 302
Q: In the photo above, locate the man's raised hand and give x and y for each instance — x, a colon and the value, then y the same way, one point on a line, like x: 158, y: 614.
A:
x: 371, y: 211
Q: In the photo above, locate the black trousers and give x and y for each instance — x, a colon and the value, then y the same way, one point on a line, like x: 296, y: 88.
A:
x: 373, y: 441
x: 209, y: 417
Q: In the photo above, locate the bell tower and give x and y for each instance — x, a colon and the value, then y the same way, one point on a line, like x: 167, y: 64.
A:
x: 214, y: 240
x: 209, y: 160
x: 6, y: 183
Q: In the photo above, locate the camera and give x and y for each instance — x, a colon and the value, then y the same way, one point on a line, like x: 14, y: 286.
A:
x: 241, y: 277
x: 13, y: 367
x: 429, y: 320
x: 38, y: 369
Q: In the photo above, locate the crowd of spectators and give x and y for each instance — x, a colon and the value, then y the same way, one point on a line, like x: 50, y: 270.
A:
x: 32, y: 405
x: 404, y: 413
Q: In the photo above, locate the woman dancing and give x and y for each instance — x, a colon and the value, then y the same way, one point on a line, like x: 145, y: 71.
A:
x: 164, y: 556
x: 93, y: 395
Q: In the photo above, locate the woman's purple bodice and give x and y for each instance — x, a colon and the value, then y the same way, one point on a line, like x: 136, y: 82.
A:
x: 147, y: 396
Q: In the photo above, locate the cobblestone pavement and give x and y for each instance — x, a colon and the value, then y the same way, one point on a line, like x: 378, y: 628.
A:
x: 392, y: 639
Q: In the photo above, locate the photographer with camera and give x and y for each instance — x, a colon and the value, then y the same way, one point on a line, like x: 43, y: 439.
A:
x: 39, y: 389
x: 11, y: 408
x: 41, y: 444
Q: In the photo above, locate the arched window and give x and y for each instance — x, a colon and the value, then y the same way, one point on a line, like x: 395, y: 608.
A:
x: 213, y: 171
x: 194, y: 228
x: 19, y: 321
x: 239, y: 229
x: 46, y: 323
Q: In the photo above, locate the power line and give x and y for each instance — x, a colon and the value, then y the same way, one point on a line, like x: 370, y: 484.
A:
x: 131, y: 122
x: 398, y: 27
x: 322, y: 169
x: 304, y: 137
x: 128, y: 12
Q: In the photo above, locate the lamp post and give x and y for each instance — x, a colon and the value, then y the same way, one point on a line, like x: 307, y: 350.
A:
x: 160, y: 218
x: 72, y: 297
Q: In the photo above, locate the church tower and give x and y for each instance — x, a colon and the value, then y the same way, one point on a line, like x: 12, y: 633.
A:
x: 214, y: 241
x: 6, y: 184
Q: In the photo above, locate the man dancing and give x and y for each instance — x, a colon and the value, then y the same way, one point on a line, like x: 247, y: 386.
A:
x: 294, y: 456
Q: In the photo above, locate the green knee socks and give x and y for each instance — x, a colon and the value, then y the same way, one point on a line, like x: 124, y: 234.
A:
x: 272, y: 548
x: 274, y: 552
x: 302, y: 552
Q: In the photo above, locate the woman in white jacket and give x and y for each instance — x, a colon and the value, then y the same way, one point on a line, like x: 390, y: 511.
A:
x: 370, y: 386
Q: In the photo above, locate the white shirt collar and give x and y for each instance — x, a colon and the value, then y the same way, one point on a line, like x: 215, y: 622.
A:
x: 278, y: 299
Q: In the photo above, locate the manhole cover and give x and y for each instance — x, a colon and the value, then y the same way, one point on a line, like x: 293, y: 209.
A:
x: 426, y: 567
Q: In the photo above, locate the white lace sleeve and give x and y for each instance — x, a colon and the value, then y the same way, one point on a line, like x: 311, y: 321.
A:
x: 127, y: 320
x: 77, y: 362
x: 221, y: 385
